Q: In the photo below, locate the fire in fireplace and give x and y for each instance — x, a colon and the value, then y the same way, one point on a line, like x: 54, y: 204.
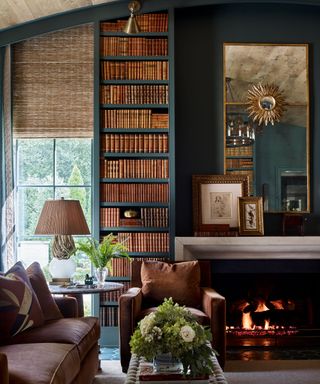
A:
x: 263, y: 318
x: 271, y: 309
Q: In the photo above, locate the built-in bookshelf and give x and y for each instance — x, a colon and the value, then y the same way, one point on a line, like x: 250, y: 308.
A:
x: 240, y: 161
x: 135, y: 146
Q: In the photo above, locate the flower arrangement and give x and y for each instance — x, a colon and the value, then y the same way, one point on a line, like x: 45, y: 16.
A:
x: 173, y: 329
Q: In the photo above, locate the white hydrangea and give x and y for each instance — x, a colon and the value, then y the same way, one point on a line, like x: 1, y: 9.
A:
x: 157, y: 333
x: 187, y: 333
x: 146, y: 324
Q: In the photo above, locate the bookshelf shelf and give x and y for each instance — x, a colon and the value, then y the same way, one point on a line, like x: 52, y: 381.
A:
x: 141, y: 34
x: 133, y: 58
x: 240, y: 169
x: 134, y: 204
x: 135, y: 155
x: 133, y: 106
x: 136, y: 145
x: 134, y: 82
x: 134, y: 130
x: 133, y: 229
x: 104, y: 180
x: 240, y: 160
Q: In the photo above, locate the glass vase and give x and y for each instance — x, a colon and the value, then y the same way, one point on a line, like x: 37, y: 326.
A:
x: 165, y: 362
x: 101, y: 274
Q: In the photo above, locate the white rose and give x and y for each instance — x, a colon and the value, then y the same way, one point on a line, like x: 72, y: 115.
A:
x: 187, y: 333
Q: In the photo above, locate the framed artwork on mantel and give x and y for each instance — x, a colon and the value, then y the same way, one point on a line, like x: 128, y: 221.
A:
x: 250, y: 216
x: 215, y: 199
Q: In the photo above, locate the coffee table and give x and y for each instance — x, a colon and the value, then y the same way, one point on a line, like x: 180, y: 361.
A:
x: 217, y: 376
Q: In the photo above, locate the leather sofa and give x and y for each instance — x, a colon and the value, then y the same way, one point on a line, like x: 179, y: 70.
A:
x: 63, y: 350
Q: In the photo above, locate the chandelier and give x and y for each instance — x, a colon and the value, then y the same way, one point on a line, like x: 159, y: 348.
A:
x: 240, y: 130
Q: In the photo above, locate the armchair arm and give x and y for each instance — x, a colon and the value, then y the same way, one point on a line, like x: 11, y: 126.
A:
x: 68, y: 305
x: 214, y: 306
x: 4, y: 374
x: 129, y: 307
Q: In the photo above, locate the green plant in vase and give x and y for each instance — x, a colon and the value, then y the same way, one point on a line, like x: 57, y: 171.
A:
x: 173, y: 330
x: 101, y: 254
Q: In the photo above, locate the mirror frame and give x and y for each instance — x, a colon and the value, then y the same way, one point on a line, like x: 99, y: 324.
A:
x: 307, y: 105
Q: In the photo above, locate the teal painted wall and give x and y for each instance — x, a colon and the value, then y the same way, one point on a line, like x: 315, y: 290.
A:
x: 199, y: 36
x: 280, y: 147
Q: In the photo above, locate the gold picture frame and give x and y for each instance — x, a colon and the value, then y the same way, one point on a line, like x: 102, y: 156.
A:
x: 215, y: 199
x: 251, y: 216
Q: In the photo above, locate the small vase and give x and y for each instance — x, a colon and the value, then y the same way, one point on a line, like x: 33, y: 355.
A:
x: 101, y: 274
x: 165, y: 362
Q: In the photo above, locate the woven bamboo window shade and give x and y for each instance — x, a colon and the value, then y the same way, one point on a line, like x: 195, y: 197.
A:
x: 53, y: 85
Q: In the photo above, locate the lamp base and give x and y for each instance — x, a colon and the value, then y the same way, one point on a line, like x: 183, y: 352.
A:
x: 62, y: 269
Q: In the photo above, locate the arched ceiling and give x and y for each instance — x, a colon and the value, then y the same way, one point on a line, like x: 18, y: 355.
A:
x: 14, y: 12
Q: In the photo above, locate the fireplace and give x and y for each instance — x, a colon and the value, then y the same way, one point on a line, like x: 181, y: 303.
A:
x: 270, y: 285
x: 270, y: 309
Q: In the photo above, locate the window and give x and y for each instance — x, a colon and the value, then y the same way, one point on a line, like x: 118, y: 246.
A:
x: 49, y: 169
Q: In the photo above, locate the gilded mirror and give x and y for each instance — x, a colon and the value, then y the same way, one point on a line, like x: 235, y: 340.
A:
x: 266, y: 122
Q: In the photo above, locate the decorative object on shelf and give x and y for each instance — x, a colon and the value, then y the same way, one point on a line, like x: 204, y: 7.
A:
x: 132, y: 25
x: 266, y: 103
x: 101, y: 254
x: 62, y: 218
x: 251, y: 216
x: 173, y: 329
x: 88, y: 280
x: 240, y: 129
x: 215, y: 199
x: 130, y: 213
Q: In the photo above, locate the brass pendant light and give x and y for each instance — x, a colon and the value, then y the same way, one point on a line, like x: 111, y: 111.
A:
x: 132, y: 26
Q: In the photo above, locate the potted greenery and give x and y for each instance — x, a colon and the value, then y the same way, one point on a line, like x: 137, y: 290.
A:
x: 172, y: 335
x: 101, y: 254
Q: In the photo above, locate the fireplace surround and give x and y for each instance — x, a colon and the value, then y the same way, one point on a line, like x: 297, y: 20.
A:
x: 281, y: 272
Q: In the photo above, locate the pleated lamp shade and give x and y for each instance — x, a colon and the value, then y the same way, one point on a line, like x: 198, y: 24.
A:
x: 62, y: 217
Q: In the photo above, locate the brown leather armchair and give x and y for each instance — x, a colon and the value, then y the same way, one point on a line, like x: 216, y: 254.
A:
x: 211, y: 312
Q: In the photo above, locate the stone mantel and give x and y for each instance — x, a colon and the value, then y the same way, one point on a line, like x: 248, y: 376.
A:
x: 242, y: 248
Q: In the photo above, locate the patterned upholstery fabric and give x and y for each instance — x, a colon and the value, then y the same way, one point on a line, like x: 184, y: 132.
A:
x: 19, y: 306
x: 38, y: 281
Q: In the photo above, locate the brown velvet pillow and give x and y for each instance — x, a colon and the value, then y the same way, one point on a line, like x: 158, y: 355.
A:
x: 181, y: 281
x: 38, y: 281
x: 19, y: 306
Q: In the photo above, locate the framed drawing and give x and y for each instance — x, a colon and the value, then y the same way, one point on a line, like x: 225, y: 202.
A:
x: 250, y: 216
x: 215, y: 199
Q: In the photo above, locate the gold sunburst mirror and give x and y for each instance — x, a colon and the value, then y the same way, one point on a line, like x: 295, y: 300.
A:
x: 266, y: 103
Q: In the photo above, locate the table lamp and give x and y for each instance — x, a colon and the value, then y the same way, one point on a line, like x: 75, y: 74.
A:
x: 62, y: 218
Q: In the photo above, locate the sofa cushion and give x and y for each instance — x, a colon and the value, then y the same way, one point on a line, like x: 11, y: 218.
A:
x: 38, y: 281
x: 42, y: 363
x: 19, y: 306
x: 181, y: 281
x: 84, y: 332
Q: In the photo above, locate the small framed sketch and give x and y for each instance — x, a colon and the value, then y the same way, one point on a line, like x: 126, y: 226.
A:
x: 215, y: 199
x: 251, y: 216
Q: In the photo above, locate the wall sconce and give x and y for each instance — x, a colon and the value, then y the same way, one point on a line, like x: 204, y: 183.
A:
x: 132, y: 26
x: 62, y: 218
